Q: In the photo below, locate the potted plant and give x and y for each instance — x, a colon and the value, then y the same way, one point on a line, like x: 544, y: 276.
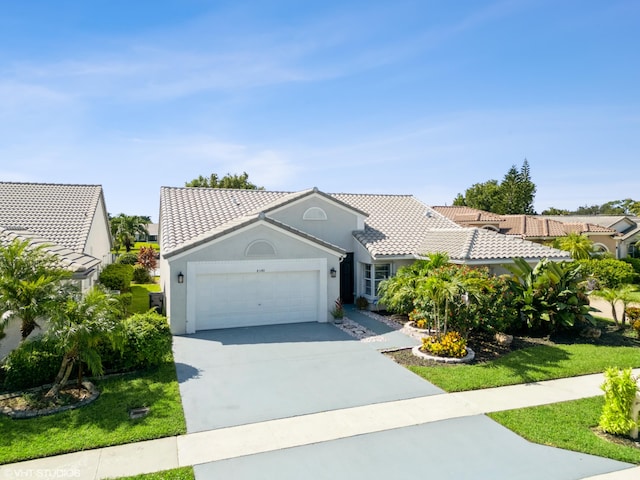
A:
x: 338, y: 311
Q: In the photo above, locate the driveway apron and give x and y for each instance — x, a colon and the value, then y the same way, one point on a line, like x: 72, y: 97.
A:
x: 463, y: 448
x: 245, y: 375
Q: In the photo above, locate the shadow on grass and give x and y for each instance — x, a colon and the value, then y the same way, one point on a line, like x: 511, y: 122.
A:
x: 530, y: 364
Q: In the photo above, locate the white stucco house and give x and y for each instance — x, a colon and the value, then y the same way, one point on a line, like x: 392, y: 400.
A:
x: 234, y: 258
x: 70, y: 221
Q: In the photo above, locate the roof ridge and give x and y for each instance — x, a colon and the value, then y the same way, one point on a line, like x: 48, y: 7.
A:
x: 53, y: 184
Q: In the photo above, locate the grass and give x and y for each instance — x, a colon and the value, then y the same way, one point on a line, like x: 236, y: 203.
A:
x: 136, y: 248
x: 566, y: 425
x: 635, y: 297
x: 140, y: 296
x: 184, y: 473
x: 542, y: 362
x: 104, y: 422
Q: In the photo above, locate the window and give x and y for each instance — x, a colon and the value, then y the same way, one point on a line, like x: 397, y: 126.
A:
x: 633, y: 251
x: 373, y: 275
x: 314, y: 213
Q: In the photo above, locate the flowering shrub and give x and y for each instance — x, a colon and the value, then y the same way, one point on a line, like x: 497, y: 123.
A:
x: 450, y: 345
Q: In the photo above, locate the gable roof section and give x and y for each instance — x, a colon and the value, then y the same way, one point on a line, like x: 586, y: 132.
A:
x: 61, y: 214
x: 68, y: 259
x: 192, y: 216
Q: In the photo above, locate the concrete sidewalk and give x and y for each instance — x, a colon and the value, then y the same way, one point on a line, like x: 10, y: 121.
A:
x: 269, y: 436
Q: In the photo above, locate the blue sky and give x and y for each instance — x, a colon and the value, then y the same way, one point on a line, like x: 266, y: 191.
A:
x: 419, y: 97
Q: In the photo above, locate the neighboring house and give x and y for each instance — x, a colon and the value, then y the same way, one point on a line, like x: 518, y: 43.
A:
x: 234, y: 258
x: 536, y: 228
x: 151, y: 236
x: 626, y: 228
x: 70, y: 220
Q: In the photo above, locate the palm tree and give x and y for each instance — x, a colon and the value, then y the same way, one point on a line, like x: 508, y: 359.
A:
x: 78, y: 328
x: 30, y: 284
x: 612, y: 296
x: 399, y: 292
x: 125, y: 227
x: 579, y: 246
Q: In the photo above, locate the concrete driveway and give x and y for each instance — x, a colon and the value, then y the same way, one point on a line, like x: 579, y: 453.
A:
x: 246, y: 375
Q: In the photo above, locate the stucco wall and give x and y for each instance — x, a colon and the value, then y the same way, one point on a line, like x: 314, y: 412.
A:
x: 234, y: 247
x: 337, y: 229
x: 98, y: 241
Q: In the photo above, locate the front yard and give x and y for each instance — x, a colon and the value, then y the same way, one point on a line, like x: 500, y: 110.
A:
x: 568, y: 425
x: 104, y: 422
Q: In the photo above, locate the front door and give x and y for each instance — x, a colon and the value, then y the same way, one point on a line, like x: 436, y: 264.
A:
x: 346, y: 279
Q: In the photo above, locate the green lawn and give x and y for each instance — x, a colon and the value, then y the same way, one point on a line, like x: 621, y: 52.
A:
x: 104, y: 422
x: 532, y: 364
x: 184, y: 473
x: 140, y: 296
x: 566, y: 425
x: 635, y: 296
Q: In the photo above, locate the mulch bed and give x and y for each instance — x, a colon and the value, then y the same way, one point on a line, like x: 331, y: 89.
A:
x: 31, y: 403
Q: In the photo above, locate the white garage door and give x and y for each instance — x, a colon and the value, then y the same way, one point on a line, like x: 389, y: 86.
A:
x: 240, y: 294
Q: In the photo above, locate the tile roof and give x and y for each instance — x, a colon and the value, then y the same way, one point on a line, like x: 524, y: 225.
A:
x: 482, y: 245
x: 527, y: 226
x: 62, y: 214
x: 468, y: 215
x: 67, y: 258
x: 396, y: 225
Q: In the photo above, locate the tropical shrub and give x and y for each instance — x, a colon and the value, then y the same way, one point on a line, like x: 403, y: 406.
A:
x: 124, y: 303
x: 127, y: 258
x: 147, y: 341
x: 140, y: 274
x: 147, y: 258
x: 117, y: 277
x: 635, y: 263
x: 362, y: 303
x: 338, y: 310
x: 633, y: 314
x: 550, y: 296
x: 452, y: 344
x: 398, y: 293
x: 608, y: 272
x: 32, y: 364
x: 620, y: 389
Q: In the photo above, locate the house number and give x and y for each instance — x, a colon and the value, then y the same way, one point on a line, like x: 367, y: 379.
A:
x: 260, y: 270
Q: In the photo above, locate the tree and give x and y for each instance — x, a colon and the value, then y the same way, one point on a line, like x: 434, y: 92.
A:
x: 125, y: 227
x: 578, y: 245
x: 31, y: 284
x: 517, y: 192
x: 627, y: 206
x: 78, y: 327
x: 482, y: 196
x: 228, y: 181
x: 514, y: 195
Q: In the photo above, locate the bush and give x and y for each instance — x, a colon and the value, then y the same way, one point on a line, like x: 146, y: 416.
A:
x: 362, y: 303
x: 450, y: 345
x: 32, y: 364
x: 147, y: 257
x: 608, y: 272
x: 117, y: 276
x: 124, y: 303
x: 633, y: 314
x: 635, y: 263
x: 141, y: 274
x: 127, y: 258
x: 620, y: 389
x: 147, y: 343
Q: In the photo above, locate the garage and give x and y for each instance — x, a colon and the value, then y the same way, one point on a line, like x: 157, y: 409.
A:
x: 229, y: 294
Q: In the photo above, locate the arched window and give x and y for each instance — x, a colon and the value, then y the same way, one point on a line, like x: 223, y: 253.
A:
x: 314, y: 213
x: 260, y: 248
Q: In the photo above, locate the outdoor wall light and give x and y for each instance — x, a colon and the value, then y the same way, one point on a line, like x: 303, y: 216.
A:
x: 333, y: 272
x: 180, y: 278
